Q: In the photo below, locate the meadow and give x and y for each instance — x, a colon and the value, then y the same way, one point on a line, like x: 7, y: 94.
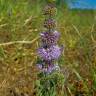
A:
x: 21, y: 21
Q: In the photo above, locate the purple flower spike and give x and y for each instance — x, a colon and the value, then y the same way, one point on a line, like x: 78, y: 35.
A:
x: 51, y: 53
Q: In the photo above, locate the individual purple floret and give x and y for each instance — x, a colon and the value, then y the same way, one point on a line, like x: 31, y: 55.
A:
x: 51, y: 53
x: 53, y: 67
x: 40, y: 66
x: 50, y: 38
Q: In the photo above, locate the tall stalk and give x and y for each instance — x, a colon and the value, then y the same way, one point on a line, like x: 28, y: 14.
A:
x: 49, y: 53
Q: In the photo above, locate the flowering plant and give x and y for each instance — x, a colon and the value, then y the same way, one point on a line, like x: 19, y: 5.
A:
x: 49, y: 53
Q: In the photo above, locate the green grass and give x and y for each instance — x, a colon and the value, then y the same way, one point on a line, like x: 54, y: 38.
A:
x: 23, y: 20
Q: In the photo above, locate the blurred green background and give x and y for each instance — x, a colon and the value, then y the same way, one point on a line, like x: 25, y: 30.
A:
x: 22, y: 20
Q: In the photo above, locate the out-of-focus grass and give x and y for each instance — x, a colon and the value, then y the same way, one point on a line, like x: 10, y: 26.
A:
x: 23, y: 20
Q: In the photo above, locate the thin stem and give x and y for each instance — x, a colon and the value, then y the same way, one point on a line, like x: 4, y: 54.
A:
x: 19, y: 42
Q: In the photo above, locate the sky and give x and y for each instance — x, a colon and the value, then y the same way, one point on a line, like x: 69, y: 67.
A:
x: 82, y: 4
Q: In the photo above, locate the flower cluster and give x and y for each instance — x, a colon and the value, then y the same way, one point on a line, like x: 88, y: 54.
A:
x: 49, y: 50
x: 48, y: 69
x: 49, y: 23
x: 49, y: 38
x: 51, y: 53
x: 50, y: 10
